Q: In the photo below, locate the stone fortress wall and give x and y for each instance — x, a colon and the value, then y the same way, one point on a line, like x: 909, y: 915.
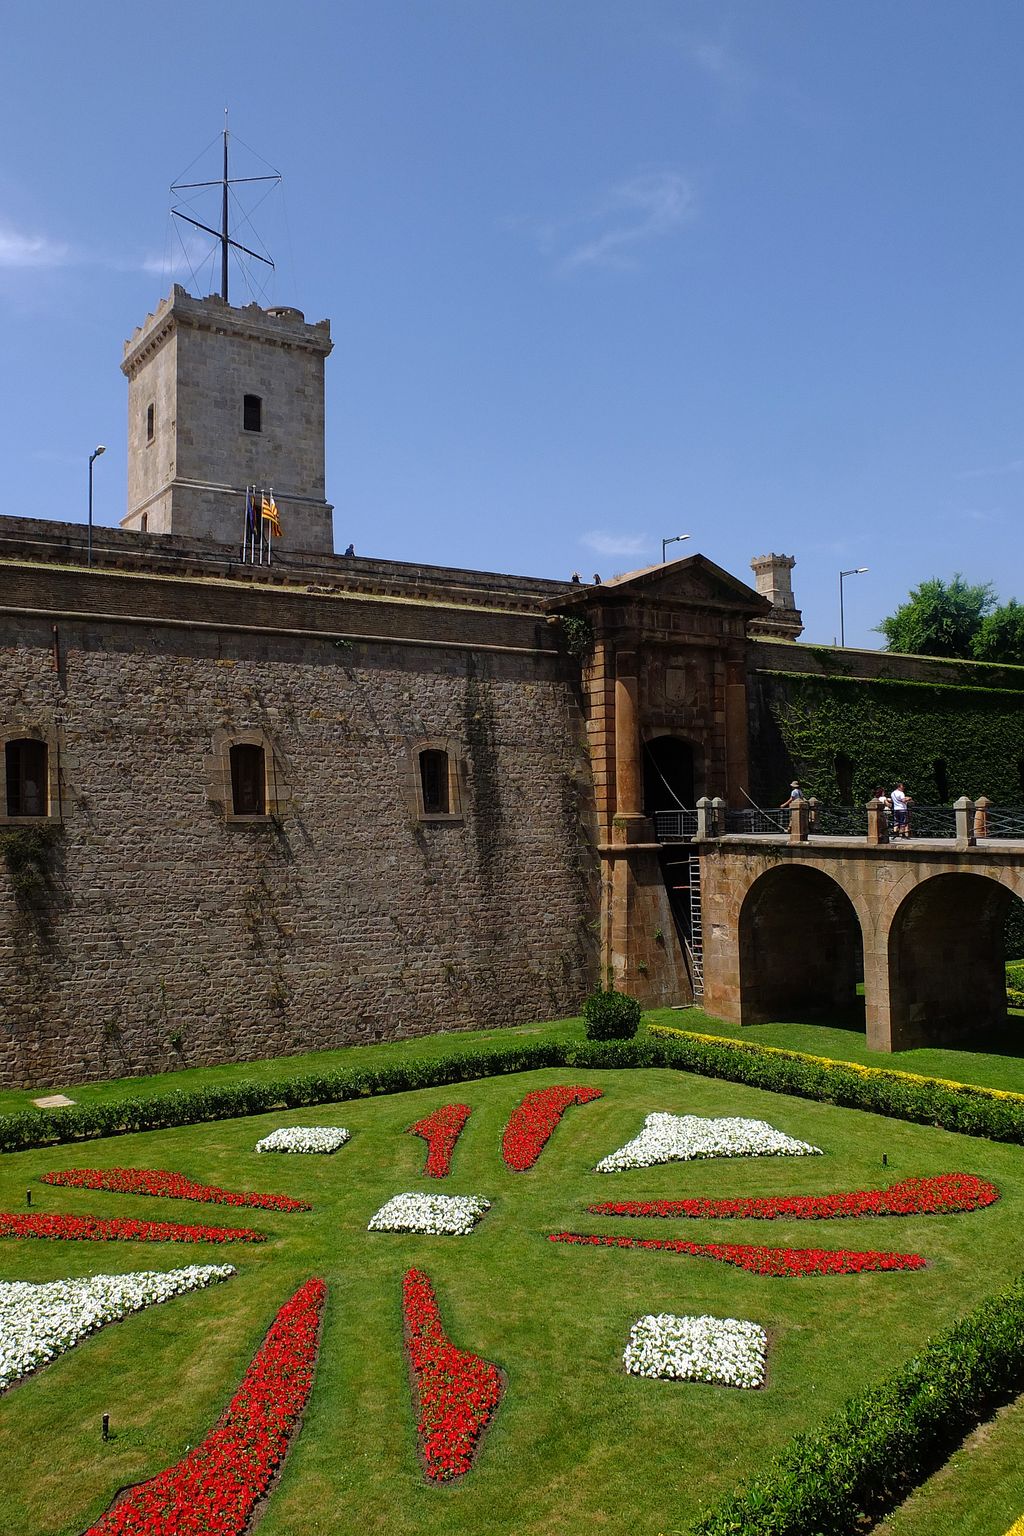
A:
x: 172, y: 934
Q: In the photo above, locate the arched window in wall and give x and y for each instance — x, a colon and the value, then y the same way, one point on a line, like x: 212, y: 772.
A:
x: 27, y: 775
x: 844, y: 778
x: 252, y: 413
x: 248, y: 780
x: 435, y: 782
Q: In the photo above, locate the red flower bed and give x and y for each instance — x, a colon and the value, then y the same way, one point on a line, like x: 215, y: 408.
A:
x: 531, y: 1123
x: 171, y: 1186
x: 213, y: 1490
x: 942, y: 1195
x: 760, y: 1261
x: 458, y: 1392
x: 441, y: 1131
x: 118, y: 1229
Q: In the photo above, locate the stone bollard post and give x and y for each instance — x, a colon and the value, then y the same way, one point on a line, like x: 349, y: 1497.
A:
x: 964, y: 809
x: 981, y: 806
x: 703, y: 819
x: 878, y: 826
x: 799, y: 816
x: 718, y: 809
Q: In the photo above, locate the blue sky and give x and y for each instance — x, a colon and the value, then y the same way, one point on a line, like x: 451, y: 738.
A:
x: 597, y: 272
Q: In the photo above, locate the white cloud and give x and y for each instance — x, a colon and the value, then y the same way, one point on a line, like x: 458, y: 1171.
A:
x: 19, y: 250
x: 631, y: 215
x: 617, y: 543
x: 719, y: 63
x: 1013, y: 467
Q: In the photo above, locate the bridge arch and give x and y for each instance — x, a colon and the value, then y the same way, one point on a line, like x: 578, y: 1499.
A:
x: 945, y: 957
x: 801, y: 947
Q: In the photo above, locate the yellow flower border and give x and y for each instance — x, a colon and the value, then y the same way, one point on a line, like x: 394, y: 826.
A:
x: 1017, y: 1528
x: 851, y: 1066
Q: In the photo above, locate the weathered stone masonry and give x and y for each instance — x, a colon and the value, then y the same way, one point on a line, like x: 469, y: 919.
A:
x: 172, y: 935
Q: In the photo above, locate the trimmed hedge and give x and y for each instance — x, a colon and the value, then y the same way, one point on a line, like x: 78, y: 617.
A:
x: 610, y: 1015
x: 924, y: 1101
x: 864, y: 1460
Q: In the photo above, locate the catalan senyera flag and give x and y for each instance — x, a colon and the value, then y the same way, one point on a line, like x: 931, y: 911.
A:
x: 269, y: 514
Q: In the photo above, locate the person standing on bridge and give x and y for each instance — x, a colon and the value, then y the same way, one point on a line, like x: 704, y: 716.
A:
x: 900, y: 811
x: 796, y: 796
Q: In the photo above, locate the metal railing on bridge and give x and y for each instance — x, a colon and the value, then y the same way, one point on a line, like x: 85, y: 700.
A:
x: 926, y: 822
x: 675, y: 826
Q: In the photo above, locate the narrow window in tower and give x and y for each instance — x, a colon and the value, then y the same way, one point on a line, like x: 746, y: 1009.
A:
x: 248, y: 780
x: 27, y: 789
x: 150, y: 422
x: 144, y: 523
x: 252, y: 413
x: 434, y: 781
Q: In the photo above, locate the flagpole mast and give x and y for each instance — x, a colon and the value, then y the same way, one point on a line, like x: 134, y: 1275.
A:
x: 224, y: 219
x: 270, y: 534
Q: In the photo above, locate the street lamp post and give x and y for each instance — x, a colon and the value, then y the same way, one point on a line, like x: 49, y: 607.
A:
x: 859, y: 570
x: 666, y: 542
x: 92, y: 459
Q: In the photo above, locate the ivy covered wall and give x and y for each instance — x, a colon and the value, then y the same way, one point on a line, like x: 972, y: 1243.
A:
x: 843, y: 736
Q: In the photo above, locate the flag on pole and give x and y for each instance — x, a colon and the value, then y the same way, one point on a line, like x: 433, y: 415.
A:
x: 250, y: 512
x: 269, y: 514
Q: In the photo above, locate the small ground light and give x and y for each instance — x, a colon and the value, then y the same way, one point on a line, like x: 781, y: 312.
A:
x: 28, y: 1197
x: 106, y: 1426
x: 885, y: 1159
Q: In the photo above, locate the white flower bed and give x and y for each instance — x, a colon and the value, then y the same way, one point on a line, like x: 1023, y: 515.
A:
x: 438, y: 1215
x: 39, y: 1322
x: 305, y: 1138
x: 722, y: 1350
x: 678, y: 1138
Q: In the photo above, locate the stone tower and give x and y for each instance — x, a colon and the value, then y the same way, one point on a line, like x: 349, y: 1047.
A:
x: 220, y: 398
x: 773, y: 575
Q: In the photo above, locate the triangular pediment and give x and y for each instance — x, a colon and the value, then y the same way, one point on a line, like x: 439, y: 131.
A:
x: 695, y: 579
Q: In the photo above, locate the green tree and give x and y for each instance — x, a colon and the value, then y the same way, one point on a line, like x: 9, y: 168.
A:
x: 1001, y: 636
x: 939, y: 618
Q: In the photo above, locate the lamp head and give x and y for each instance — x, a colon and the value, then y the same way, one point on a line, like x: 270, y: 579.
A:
x: 101, y: 448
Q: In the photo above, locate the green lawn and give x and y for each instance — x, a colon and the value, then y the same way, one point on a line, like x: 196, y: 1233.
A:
x: 997, y: 1063
x: 980, y: 1490
x: 575, y: 1441
x: 354, y: 1057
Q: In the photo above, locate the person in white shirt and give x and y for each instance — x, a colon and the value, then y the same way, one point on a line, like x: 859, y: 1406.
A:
x: 900, y: 811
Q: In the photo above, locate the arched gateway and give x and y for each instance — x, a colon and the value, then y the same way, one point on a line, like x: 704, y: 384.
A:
x: 947, y: 981
x: 791, y: 911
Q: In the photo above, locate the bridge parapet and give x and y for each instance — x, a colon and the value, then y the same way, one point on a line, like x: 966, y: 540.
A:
x: 963, y: 822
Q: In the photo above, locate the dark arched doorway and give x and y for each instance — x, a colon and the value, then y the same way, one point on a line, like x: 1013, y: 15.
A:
x: 669, y: 775
x: 800, y: 948
x: 947, y: 976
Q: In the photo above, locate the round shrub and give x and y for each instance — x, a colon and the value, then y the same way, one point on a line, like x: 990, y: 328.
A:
x: 610, y: 1015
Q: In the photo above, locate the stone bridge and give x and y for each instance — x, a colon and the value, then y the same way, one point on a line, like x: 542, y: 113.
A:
x: 790, y: 924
